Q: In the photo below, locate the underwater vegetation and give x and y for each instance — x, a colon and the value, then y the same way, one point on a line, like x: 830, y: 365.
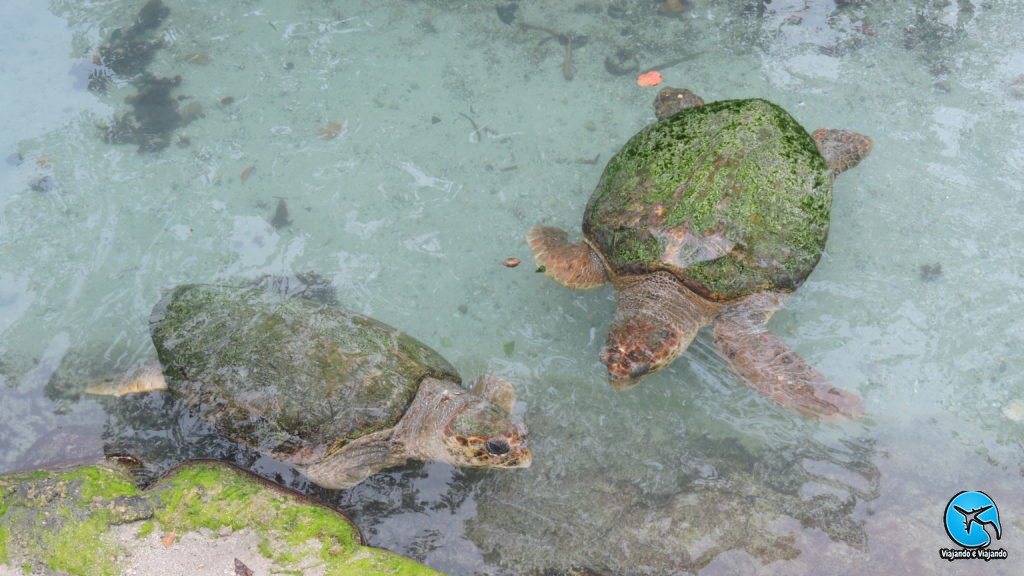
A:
x: 154, y: 113
x: 129, y: 51
x: 153, y: 117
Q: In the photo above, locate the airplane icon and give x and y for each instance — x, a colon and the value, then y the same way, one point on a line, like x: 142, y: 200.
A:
x: 971, y: 517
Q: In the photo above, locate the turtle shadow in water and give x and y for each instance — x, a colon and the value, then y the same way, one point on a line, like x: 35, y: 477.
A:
x: 153, y: 433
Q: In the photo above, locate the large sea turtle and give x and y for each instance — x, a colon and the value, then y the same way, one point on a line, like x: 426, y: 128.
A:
x: 338, y: 395
x: 713, y: 214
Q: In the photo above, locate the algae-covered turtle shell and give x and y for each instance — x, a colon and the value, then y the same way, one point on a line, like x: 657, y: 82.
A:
x: 732, y: 197
x: 337, y: 395
x: 286, y: 375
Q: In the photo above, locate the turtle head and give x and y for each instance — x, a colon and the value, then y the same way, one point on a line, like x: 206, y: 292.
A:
x: 639, y: 349
x: 482, y: 432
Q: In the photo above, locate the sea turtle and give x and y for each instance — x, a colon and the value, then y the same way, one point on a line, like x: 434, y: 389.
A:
x: 338, y: 395
x: 713, y: 214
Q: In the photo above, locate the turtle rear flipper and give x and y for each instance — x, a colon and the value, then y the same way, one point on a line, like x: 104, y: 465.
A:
x: 571, y: 265
x: 842, y: 149
x: 770, y: 366
x: 147, y: 378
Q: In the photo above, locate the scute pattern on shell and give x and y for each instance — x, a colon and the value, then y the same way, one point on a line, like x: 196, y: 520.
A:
x: 286, y: 375
x: 732, y: 197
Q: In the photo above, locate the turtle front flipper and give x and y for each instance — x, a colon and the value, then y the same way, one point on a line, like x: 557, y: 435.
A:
x: 146, y: 379
x: 571, y: 265
x: 656, y: 319
x: 356, y: 461
x: 771, y: 367
x: 842, y: 149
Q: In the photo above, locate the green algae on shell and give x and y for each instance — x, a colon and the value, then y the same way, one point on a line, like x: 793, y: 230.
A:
x: 299, y: 379
x: 64, y: 520
x: 733, y: 197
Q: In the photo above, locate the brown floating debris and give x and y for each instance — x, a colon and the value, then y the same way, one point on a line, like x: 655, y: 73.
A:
x: 567, y: 39
x: 247, y: 172
x: 671, y: 7
x: 331, y: 131
x: 511, y: 262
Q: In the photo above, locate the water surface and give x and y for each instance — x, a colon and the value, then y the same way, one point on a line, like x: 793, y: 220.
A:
x: 415, y: 143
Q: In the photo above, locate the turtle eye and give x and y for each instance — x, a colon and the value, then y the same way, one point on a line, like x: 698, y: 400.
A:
x: 497, y: 446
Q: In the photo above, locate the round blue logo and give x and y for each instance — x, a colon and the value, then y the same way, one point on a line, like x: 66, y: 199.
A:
x: 972, y: 519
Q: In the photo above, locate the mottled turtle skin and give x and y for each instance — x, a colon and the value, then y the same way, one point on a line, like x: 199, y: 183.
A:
x: 713, y: 214
x: 336, y: 394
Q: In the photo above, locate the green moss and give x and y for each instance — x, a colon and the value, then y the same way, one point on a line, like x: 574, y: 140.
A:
x: 733, y: 195
x: 99, y: 483
x: 5, y: 532
x: 199, y: 495
x: 145, y: 529
x: 264, y: 548
x: 211, y: 495
x: 79, y: 548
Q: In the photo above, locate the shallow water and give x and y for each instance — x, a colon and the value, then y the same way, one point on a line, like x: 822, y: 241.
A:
x: 453, y: 134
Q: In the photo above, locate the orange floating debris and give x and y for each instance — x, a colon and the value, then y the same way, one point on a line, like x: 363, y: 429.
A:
x: 652, y: 78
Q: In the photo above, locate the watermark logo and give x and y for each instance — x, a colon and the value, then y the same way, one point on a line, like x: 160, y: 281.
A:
x: 972, y: 521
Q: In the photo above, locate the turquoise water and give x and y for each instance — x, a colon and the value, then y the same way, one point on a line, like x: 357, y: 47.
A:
x: 415, y: 143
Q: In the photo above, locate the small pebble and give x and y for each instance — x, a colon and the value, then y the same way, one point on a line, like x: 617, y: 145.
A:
x: 1014, y: 410
x: 41, y: 184
x: 511, y: 262
x: 930, y: 272
x: 15, y: 159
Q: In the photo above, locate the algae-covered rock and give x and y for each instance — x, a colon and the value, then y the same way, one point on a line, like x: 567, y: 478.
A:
x: 204, y: 517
